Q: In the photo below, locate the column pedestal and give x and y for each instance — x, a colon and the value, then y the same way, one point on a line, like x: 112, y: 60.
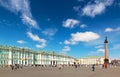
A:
x: 106, y: 61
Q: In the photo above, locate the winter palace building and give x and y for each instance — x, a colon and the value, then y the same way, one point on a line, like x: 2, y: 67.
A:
x: 14, y: 55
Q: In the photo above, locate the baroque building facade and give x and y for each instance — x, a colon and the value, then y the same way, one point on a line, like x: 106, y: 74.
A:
x: 91, y: 60
x: 15, y: 55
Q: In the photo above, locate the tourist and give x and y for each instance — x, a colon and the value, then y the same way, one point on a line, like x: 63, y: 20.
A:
x: 12, y: 67
x: 100, y: 66
x: 93, y: 67
x: 60, y: 67
x: 75, y: 66
x: 103, y: 66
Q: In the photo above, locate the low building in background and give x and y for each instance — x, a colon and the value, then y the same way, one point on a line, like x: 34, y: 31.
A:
x: 91, y: 60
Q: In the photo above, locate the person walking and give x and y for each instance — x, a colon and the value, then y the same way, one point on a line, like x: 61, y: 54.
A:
x: 103, y: 66
x: 12, y: 67
x: 93, y: 67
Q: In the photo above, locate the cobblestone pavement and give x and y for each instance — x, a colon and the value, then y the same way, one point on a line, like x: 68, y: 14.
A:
x: 64, y: 72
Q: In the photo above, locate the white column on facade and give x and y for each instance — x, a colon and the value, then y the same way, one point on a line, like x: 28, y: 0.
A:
x: 32, y: 58
x: 40, y: 59
x: 10, y: 57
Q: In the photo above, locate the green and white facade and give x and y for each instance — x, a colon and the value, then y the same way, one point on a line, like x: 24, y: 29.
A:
x: 14, y: 55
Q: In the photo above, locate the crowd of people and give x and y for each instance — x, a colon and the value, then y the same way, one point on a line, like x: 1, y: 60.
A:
x: 16, y: 66
x: 60, y: 66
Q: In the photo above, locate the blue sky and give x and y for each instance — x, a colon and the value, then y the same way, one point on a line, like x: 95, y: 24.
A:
x: 73, y: 27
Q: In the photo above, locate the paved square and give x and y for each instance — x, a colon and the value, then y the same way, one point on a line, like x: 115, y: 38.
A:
x: 64, y: 72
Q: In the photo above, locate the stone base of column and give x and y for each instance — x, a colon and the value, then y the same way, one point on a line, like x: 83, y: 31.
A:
x: 106, y: 61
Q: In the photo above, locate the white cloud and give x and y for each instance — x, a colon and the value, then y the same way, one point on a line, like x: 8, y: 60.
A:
x: 66, y: 42
x: 101, y: 50
x: 72, y: 42
x: 40, y: 46
x: 77, y: 8
x: 99, y: 46
x: 36, y: 38
x: 96, y: 8
x: 70, y: 23
x: 94, y: 43
x: 49, y: 31
x: 22, y: 7
x: 28, y: 20
x: 82, y: 37
x: 97, y: 52
x: 108, y: 30
x: 112, y: 30
x: 33, y: 37
x: 66, y: 49
x: 83, y: 26
x: 21, y: 42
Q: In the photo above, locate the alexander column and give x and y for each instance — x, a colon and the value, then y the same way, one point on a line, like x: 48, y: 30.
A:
x: 106, y: 60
